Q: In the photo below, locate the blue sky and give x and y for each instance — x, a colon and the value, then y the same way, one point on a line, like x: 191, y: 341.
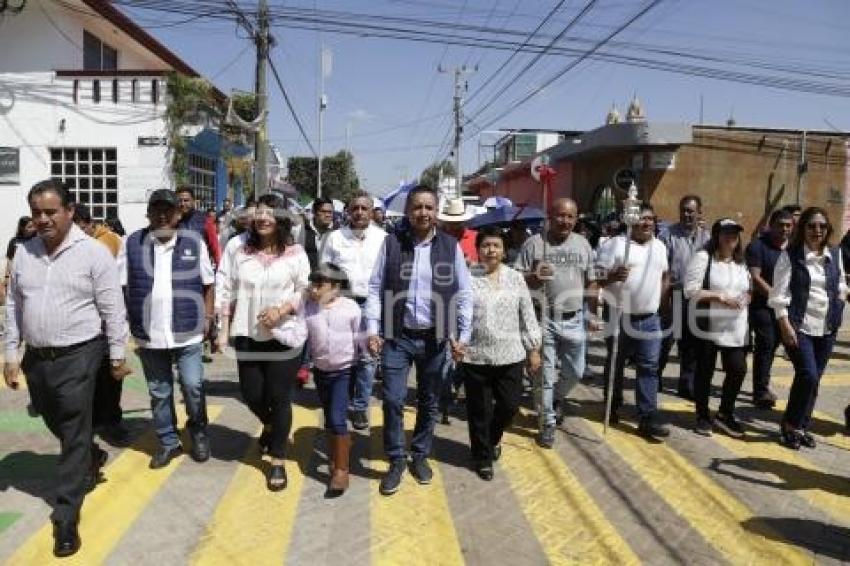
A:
x: 378, y: 88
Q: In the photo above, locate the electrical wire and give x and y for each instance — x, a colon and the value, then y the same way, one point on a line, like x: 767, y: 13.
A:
x: 536, y: 58
x: 291, y: 107
x: 571, y: 65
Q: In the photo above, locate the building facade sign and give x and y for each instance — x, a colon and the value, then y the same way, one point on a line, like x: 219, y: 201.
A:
x: 662, y: 160
x: 10, y: 165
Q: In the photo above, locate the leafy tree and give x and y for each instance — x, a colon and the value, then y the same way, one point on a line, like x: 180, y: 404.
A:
x: 431, y: 175
x: 339, y: 178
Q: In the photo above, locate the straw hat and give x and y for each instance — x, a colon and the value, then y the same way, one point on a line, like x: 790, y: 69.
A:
x: 454, y: 211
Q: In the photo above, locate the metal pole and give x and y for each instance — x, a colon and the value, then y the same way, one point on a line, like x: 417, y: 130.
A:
x: 457, y: 99
x: 460, y: 86
x: 261, y: 150
x: 322, y: 105
x: 631, y: 215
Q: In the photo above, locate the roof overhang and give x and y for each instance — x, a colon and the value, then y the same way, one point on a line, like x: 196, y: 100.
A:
x: 105, y: 9
x: 629, y: 135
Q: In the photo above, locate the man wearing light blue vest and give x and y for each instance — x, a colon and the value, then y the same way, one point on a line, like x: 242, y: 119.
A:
x: 167, y: 277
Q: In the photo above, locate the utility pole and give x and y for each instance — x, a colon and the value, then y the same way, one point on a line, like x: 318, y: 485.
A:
x: 460, y: 88
x: 261, y: 149
x: 324, y: 69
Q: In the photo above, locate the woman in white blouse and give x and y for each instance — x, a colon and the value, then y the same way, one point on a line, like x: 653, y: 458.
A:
x: 266, y: 273
x: 808, y: 297
x: 505, y: 334
x: 718, y: 284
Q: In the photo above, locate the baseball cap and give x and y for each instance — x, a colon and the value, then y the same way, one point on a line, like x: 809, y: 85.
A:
x: 163, y: 195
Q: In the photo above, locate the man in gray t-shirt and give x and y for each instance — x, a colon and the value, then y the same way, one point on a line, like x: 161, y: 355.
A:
x: 564, y: 272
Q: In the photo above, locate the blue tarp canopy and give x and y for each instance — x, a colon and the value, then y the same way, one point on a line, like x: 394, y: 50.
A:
x: 507, y: 214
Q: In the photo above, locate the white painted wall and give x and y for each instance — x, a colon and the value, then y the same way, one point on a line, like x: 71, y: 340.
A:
x: 33, y: 101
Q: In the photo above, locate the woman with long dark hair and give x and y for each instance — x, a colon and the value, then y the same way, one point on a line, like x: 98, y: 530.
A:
x: 268, y: 273
x: 718, y: 283
x: 808, y: 295
x: 25, y: 231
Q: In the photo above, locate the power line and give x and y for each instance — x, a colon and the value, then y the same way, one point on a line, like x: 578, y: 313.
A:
x: 291, y: 108
x: 516, y: 51
x: 572, y: 65
x: 530, y: 64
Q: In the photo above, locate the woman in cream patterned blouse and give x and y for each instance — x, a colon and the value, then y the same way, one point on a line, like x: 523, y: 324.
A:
x: 505, y: 335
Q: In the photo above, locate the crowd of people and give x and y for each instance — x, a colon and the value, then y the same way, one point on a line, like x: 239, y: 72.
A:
x: 290, y: 296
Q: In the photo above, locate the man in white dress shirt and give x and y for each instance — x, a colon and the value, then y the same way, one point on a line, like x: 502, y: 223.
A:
x: 168, y: 279
x: 354, y: 249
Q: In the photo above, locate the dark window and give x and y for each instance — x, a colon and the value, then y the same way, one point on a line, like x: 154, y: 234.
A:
x: 155, y: 91
x: 115, y: 90
x: 110, y: 58
x: 134, y: 90
x: 97, y: 56
x: 91, y: 52
x: 95, y: 91
x: 76, y: 91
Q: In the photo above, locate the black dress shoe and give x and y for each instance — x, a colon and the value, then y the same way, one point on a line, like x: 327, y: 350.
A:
x: 276, y: 480
x: 652, y: 430
x: 808, y: 440
x: 791, y: 439
x: 163, y: 456
x: 66, y: 539
x: 200, y: 447
x: 484, y: 470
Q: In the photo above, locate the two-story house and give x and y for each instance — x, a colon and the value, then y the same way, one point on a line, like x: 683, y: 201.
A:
x: 82, y: 98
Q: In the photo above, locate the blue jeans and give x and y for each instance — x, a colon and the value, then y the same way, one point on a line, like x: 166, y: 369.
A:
x: 157, y: 367
x: 333, y: 393
x: 640, y: 339
x: 428, y: 355
x: 364, y: 375
x: 563, y: 340
x: 809, y: 359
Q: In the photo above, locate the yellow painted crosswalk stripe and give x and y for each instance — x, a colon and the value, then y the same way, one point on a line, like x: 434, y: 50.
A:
x: 565, y: 519
x: 794, y: 472
x: 251, y: 524
x: 111, y: 508
x: 829, y: 379
x: 781, y: 362
x: 716, y: 514
x: 415, y: 525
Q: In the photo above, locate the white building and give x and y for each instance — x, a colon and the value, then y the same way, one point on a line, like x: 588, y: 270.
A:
x: 82, y: 98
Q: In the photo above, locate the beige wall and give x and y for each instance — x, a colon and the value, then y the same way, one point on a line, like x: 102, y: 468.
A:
x: 748, y: 174
x: 745, y: 174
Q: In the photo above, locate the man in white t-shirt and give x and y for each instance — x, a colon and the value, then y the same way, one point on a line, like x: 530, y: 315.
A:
x: 637, y: 288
